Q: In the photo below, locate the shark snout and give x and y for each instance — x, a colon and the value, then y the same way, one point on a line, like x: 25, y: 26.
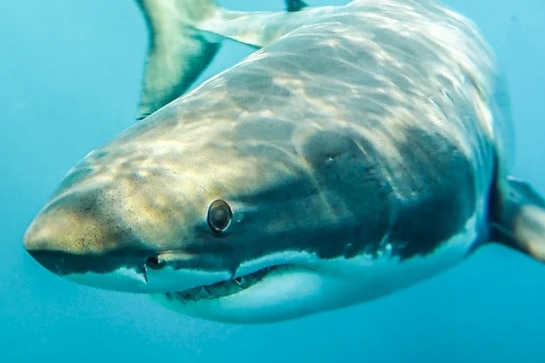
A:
x: 81, y: 236
x: 75, y: 238
x: 57, y: 239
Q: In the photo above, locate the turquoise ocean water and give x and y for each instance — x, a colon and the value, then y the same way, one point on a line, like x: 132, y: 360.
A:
x: 70, y: 75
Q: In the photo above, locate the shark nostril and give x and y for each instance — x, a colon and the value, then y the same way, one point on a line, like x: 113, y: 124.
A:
x: 154, y: 263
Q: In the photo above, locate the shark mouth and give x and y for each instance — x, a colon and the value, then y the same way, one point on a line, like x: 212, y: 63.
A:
x: 224, y: 288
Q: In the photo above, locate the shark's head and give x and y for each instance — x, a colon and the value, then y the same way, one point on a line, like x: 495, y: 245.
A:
x: 225, y: 220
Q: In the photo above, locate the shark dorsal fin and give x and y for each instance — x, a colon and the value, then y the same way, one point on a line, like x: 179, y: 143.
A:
x: 185, y: 36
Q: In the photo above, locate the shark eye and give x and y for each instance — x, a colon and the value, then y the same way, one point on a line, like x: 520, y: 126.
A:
x: 219, y: 216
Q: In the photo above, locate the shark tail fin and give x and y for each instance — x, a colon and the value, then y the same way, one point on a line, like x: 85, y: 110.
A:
x: 179, y: 52
x: 518, y: 218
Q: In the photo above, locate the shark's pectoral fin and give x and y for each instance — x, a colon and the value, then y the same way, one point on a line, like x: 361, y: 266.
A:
x: 518, y: 218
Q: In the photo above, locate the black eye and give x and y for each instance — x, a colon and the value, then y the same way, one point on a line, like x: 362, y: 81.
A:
x: 219, y: 216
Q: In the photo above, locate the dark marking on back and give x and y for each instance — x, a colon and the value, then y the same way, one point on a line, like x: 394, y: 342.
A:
x: 415, y: 207
x: 442, y: 203
x: 351, y: 179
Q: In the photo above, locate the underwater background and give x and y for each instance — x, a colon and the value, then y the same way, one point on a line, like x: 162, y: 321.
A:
x: 70, y: 77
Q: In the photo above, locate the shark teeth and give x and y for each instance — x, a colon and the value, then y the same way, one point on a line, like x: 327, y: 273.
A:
x: 222, y: 288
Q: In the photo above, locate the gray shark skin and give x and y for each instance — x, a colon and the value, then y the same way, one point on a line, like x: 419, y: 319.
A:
x: 359, y: 150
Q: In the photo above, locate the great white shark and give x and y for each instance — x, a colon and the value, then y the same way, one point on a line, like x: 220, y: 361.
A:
x: 360, y: 149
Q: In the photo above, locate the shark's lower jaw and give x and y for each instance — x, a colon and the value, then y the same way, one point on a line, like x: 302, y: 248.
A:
x: 223, y: 288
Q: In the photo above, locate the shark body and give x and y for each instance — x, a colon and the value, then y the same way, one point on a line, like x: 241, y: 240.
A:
x: 359, y: 150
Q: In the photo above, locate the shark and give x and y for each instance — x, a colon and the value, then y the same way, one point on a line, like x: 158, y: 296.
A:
x: 358, y: 150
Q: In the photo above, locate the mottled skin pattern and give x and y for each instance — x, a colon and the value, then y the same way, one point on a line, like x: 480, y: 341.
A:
x: 370, y: 130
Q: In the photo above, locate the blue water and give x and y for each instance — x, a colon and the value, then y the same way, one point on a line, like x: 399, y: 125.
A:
x: 70, y: 74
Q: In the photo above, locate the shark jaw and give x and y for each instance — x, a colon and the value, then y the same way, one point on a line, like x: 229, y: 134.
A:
x: 193, y: 284
x: 290, y: 291
x: 281, y: 286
